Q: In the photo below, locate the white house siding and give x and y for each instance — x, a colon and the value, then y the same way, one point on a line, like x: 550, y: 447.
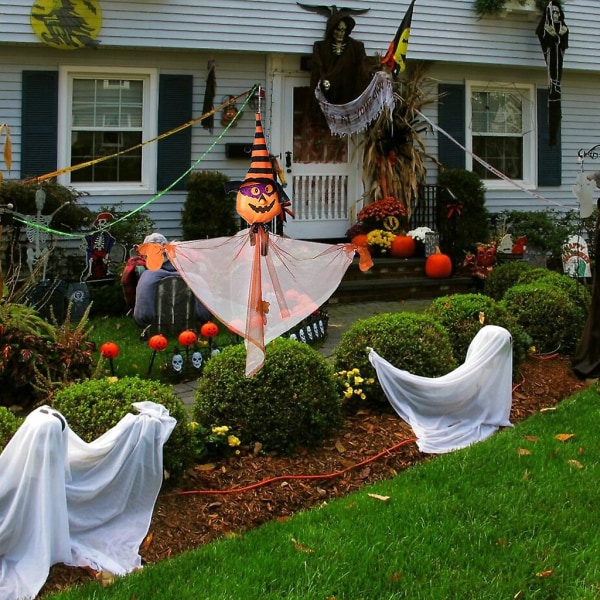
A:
x: 180, y: 36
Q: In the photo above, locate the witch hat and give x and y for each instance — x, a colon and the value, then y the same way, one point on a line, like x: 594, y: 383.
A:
x: 261, y: 166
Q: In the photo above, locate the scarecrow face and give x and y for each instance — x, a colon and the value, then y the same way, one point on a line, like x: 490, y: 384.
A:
x: 258, y: 201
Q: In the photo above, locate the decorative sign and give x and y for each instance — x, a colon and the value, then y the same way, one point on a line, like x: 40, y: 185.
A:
x: 67, y: 24
x: 576, y: 258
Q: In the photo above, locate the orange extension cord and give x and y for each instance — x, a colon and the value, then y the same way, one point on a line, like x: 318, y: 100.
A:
x: 286, y: 477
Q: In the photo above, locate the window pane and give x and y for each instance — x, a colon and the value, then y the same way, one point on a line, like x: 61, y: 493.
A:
x: 497, y: 112
x: 89, y: 145
x: 107, y: 118
x: 503, y: 153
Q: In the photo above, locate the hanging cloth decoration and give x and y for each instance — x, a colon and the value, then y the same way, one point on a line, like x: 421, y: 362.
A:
x: 554, y: 39
x: 209, y: 96
x: 346, y: 119
x: 257, y: 283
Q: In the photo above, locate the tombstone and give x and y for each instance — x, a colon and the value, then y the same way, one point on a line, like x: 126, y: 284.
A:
x: 536, y: 257
x: 78, y: 296
x: 576, y: 257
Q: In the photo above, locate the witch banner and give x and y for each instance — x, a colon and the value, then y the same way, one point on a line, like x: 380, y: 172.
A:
x: 554, y: 39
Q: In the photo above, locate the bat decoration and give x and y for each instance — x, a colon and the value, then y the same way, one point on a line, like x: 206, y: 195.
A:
x: 329, y: 11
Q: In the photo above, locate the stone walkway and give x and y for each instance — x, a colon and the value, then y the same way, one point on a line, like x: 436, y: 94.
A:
x: 341, y: 317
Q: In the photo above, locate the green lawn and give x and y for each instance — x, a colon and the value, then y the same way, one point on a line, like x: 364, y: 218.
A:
x: 513, y: 517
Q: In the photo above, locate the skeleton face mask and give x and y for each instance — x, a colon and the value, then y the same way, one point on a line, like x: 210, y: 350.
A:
x: 177, y: 363
x: 197, y: 360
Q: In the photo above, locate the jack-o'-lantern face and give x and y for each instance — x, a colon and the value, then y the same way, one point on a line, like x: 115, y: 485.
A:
x: 258, y: 201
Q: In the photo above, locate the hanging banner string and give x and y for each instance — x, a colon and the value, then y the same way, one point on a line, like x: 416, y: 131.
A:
x: 232, y: 100
x: 486, y: 164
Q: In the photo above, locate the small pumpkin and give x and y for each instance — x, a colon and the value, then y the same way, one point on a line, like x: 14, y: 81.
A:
x: 158, y: 342
x: 109, y: 350
x: 209, y: 329
x: 187, y: 337
x: 438, y: 265
x: 403, y: 246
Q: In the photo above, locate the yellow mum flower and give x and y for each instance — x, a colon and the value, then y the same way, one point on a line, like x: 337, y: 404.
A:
x: 233, y: 441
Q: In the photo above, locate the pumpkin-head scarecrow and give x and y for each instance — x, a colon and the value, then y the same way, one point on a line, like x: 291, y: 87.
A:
x: 258, y: 283
x: 260, y: 197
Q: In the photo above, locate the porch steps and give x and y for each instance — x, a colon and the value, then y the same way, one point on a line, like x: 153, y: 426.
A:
x: 395, y: 279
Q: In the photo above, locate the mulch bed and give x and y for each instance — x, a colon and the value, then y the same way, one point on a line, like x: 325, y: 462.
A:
x: 244, y: 491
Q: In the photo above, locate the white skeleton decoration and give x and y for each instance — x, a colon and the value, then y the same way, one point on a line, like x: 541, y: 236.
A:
x: 177, y: 363
x: 197, y: 360
x: 37, y: 234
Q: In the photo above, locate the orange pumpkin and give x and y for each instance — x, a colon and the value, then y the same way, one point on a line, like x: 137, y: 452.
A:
x: 209, y: 329
x: 258, y: 201
x: 158, y: 342
x: 187, y: 337
x: 109, y: 350
x: 438, y: 265
x: 403, y: 246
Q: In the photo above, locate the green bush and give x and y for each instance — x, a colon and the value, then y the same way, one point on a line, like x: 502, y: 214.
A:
x: 208, y: 210
x: 545, y: 229
x: 463, y: 315
x: 9, y: 424
x: 472, y: 226
x: 414, y: 342
x: 577, y: 292
x: 95, y: 406
x: 547, y: 314
x: 503, y: 277
x: 292, y: 401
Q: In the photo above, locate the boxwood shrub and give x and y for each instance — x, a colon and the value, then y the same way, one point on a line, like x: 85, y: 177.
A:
x: 463, y: 315
x: 414, y: 342
x: 9, y: 423
x: 292, y: 401
x: 96, y: 405
x: 548, y: 315
x: 503, y: 277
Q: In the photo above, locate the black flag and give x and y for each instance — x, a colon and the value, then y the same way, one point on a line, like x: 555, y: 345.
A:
x: 395, y: 58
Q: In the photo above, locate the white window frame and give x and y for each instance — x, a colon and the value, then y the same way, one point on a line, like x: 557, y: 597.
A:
x: 67, y: 74
x: 529, y: 135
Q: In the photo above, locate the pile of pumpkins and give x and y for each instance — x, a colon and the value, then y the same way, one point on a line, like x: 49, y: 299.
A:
x: 437, y: 265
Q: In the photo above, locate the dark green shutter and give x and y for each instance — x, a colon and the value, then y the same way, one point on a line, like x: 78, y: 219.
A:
x: 451, y: 118
x: 39, y: 123
x: 174, y: 109
x: 549, y: 158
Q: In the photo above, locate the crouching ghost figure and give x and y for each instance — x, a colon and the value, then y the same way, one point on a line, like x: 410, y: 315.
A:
x: 63, y: 500
x: 462, y: 407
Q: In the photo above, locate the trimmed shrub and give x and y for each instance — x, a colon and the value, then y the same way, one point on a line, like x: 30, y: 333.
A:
x: 9, y: 424
x: 95, y: 406
x: 503, y: 277
x: 577, y: 292
x: 292, y: 401
x: 463, y: 315
x: 547, y: 314
x: 208, y: 211
x: 414, y: 342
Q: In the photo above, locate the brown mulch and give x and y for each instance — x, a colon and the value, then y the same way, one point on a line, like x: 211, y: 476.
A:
x: 371, y: 447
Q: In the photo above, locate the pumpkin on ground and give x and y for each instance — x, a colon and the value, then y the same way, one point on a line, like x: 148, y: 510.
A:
x: 438, y: 265
x: 403, y: 246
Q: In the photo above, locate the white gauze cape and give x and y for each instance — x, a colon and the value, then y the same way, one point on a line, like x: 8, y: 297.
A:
x: 64, y: 500
x: 464, y: 406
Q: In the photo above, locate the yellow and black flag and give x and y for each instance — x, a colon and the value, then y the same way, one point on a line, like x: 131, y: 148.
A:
x: 395, y: 58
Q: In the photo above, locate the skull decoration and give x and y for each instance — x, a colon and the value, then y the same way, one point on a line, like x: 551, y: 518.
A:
x: 322, y: 326
x: 177, y: 363
x: 197, y: 360
x: 302, y: 336
x: 294, y: 337
x: 316, y: 330
x: 309, y: 332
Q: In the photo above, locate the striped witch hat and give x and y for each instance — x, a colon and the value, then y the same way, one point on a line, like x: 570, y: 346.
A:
x: 260, y: 165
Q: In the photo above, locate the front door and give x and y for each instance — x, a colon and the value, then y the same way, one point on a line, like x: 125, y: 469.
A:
x: 321, y: 169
